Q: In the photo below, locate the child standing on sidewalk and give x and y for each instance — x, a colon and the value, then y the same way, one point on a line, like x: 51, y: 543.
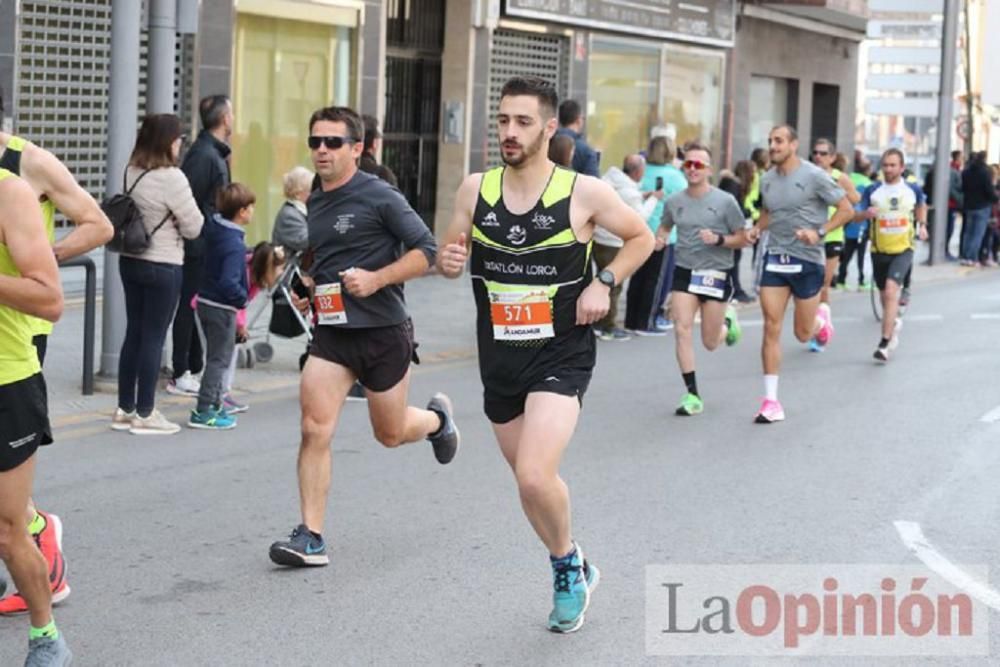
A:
x: 224, y: 291
x: 264, y: 265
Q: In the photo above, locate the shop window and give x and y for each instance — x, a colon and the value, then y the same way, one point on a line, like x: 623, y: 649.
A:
x: 773, y: 101
x: 692, y: 96
x: 283, y: 71
x: 623, y: 97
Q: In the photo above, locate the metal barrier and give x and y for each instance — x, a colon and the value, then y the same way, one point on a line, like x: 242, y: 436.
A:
x: 89, y: 318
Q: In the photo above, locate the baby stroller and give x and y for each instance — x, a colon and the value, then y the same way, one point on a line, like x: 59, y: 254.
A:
x: 285, y: 320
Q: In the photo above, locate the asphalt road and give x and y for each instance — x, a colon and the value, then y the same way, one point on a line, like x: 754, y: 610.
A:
x: 167, y: 539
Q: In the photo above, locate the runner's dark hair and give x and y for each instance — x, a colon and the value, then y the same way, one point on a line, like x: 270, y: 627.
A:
x: 536, y: 87
x: 349, y: 117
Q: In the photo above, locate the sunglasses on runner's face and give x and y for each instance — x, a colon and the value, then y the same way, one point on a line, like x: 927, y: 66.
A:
x: 697, y: 165
x: 333, y: 143
x: 821, y: 153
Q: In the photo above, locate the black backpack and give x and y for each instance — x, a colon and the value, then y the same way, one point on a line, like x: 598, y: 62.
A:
x: 130, y: 234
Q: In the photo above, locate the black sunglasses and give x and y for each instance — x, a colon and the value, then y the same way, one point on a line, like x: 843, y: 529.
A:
x: 333, y: 142
x: 821, y: 153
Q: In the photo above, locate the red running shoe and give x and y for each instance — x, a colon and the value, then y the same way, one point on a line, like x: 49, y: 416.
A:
x: 15, y: 604
x: 49, y: 542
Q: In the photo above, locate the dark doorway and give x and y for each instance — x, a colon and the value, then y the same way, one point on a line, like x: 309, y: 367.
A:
x: 825, y: 110
x: 415, y: 41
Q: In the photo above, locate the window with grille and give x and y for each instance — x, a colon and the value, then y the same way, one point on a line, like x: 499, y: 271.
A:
x: 62, y: 79
x: 523, y: 54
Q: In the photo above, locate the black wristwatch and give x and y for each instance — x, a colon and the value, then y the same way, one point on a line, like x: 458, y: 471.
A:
x: 721, y: 241
x: 822, y: 232
x: 605, y: 277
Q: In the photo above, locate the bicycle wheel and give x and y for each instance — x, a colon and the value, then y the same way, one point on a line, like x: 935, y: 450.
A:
x: 876, y: 297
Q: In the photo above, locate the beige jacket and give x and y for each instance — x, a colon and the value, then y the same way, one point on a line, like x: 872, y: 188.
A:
x: 159, y: 192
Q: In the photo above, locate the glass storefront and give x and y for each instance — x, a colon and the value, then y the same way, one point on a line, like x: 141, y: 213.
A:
x: 769, y: 98
x: 284, y: 69
x: 623, y: 93
x: 635, y: 86
x: 692, y: 96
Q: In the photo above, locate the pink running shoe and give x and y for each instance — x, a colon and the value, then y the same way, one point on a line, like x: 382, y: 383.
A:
x: 825, y: 332
x: 770, y: 412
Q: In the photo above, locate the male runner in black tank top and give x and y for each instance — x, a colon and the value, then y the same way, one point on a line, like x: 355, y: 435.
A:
x: 530, y: 225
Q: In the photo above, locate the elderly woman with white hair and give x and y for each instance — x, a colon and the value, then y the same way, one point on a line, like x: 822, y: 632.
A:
x: 291, y: 229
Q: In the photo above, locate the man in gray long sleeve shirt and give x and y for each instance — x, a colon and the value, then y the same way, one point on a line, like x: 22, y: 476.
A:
x: 365, y: 242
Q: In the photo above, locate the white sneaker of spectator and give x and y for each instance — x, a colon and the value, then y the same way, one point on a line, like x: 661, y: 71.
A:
x: 185, y: 385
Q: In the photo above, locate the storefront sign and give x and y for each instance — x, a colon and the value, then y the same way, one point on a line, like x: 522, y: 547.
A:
x: 701, y: 21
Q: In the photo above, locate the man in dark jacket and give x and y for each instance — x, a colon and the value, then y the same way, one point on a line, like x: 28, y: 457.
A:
x: 585, y: 158
x: 207, y: 169
x: 368, y: 162
x: 979, y: 195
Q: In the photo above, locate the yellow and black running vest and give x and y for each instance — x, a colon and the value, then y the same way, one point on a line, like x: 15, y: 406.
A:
x: 528, y: 271
x: 11, y: 161
x: 18, y: 359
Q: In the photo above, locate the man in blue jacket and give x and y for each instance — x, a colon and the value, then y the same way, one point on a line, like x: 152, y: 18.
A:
x: 585, y: 159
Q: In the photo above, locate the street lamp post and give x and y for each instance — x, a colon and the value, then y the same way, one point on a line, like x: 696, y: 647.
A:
x: 946, y: 109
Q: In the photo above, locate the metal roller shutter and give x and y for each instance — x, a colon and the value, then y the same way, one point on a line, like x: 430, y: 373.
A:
x: 524, y: 54
x: 61, y: 82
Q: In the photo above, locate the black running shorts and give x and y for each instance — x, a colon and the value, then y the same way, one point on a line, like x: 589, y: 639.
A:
x: 891, y: 267
x: 24, y: 420
x: 682, y: 283
x: 833, y: 249
x: 501, y: 409
x: 378, y: 356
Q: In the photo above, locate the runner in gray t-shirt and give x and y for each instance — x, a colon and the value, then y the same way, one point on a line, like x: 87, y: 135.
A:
x: 714, y: 210
x: 709, y: 226
x: 795, y: 197
x: 796, y: 200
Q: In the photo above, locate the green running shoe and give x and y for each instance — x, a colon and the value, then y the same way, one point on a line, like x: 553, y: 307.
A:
x: 690, y: 405
x: 734, y: 332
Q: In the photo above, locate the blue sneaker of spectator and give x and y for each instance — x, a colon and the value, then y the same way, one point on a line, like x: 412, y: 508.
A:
x: 212, y: 419
x: 302, y: 549
x: 573, y: 580
x: 662, y: 324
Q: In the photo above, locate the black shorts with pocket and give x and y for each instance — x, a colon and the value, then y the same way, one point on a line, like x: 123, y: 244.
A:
x: 833, y: 249
x: 24, y: 420
x: 682, y: 283
x: 378, y: 356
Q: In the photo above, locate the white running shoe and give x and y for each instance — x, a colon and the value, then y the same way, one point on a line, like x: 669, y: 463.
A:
x: 121, y: 420
x: 185, y: 385
x: 154, y: 424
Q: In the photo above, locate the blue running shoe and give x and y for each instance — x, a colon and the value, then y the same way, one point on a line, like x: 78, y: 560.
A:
x: 302, y: 549
x: 814, y: 345
x: 212, y: 419
x: 573, y: 580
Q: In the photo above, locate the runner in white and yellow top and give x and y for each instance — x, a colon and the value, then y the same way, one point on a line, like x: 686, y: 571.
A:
x: 824, y: 154
x: 898, y: 210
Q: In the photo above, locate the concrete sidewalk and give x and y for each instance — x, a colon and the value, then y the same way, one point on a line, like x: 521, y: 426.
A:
x: 443, y: 313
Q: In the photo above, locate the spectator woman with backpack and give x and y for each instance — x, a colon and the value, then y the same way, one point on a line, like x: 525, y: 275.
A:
x: 152, y: 279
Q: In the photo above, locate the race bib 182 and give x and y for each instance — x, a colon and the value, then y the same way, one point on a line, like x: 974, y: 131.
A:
x: 330, y: 304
